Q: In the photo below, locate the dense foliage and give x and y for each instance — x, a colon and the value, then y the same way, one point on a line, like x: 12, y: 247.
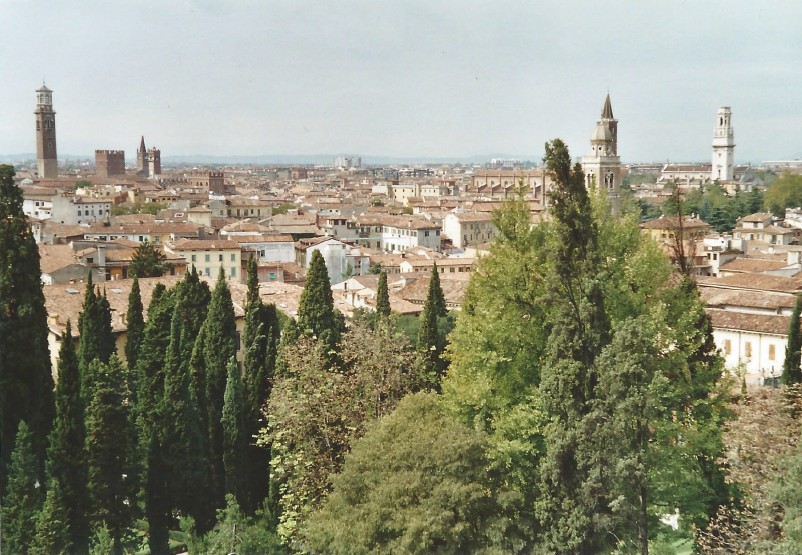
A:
x: 26, y: 383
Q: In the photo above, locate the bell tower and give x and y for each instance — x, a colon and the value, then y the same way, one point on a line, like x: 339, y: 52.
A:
x: 723, y: 146
x: 602, y: 167
x: 46, y: 157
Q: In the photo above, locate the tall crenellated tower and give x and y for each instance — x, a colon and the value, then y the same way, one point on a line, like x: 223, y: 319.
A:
x: 46, y: 157
x: 723, y: 146
x: 602, y: 167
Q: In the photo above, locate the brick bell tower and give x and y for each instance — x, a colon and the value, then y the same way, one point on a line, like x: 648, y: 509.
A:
x: 46, y: 157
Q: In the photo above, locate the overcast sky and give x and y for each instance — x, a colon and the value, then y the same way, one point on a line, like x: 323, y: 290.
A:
x: 403, y: 78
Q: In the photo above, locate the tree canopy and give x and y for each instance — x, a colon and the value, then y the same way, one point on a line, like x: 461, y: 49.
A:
x: 148, y: 261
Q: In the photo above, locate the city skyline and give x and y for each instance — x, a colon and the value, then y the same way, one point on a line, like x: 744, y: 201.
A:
x: 412, y: 80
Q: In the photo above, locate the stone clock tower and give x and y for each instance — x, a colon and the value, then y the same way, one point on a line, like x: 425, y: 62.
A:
x: 46, y: 157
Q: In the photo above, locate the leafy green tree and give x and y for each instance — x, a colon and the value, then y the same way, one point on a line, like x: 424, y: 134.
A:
x: 66, y: 458
x: 237, y: 533
x: 23, y: 498
x: 110, y: 440
x: 234, y: 441
x: 148, y: 261
x: 315, y: 412
x: 417, y: 482
x: 574, y: 338
x: 784, y: 192
x: 26, y: 382
x: 52, y: 525
x: 135, y: 332
x: 792, y: 365
x: 316, y: 313
x: 430, y: 343
x: 383, y: 296
x: 214, y: 348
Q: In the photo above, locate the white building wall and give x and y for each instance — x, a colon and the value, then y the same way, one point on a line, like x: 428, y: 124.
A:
x: 753, y: 350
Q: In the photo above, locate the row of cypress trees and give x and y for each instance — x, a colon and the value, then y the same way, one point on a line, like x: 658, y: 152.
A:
x: 153, y: 433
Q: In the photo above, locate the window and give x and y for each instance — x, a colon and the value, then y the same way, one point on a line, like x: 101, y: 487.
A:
x: 206, y: 257
x: 207, y: 272
x: 748, y: 349
x: 219, y: 257
x: 727, y: 346
x: 194, y: 257
x: 771, y: 352
x: 233, y: 272
x: 233, y: 257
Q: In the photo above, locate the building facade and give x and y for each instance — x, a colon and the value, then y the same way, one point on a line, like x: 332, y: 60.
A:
x: 46, y: 156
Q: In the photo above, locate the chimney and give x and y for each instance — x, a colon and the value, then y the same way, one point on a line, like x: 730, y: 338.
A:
x: 52, y: 320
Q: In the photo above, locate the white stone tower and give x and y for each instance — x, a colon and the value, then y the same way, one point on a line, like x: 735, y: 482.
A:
x: 723, y: 146
x: 602, y: 167
x: 46, y: 157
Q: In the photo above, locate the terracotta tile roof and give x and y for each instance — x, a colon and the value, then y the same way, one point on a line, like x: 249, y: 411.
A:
x: 672, y: 222
x: 55, y: 257
x: 741, y: 321
x: 453, y: 288
x: 758, y: 217
x: 755, y: 282
x: 205, y: 244
x: 714, y: 297
x: 753, y: 265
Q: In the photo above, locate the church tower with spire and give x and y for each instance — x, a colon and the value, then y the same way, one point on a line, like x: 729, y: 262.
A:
x: 602, y: 167
x: 46, y: 157
x: 141, y: 158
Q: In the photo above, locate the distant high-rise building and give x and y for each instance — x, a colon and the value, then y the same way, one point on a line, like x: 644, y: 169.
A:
x: 723, y: 146
x: 602, y: 167
x: 46, y: 157
x: 109, y: 163
x: 148, y: 162
x: 348, y: 162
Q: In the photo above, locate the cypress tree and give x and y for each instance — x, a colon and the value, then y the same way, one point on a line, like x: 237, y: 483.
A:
x: 260, y: 338
x: 157, y: 504
x: 110, y: 440
x: 23, y: 498
x: 66, y: 464
x: 216, y: 346
x: 52, y: 526
x: 233, y: 433
x: 96, y: 337
x: 435, y: 292
x: 430, y: 343
x: 26, y: 381
x: 150, y: 362
x: 135, y: 333
x: 316, y: 314
x: 792, y: 365
x: 182, y: 434
x: 383, y: 296
x: 570, y: 500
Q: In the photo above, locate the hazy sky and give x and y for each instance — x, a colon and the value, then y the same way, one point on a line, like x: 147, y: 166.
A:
x: 403, y: 78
